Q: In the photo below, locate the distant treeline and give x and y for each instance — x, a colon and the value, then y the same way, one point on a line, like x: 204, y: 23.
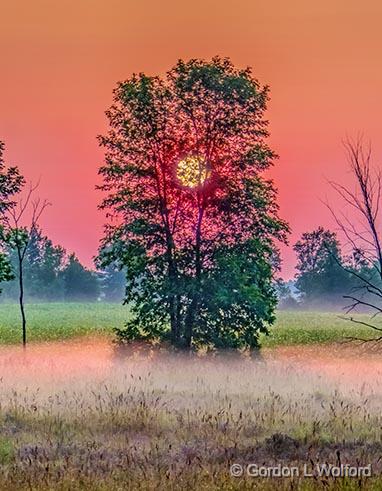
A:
x: 326, y: 277
x: 52, y: 275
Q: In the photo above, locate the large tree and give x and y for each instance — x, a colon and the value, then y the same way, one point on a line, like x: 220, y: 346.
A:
x: 191, y: 218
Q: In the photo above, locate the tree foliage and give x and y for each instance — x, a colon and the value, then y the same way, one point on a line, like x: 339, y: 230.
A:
x: 79, y: 282
x: 49, y: 273
x: 112, y: 283
x: 199, y: 255
x: 43, y: 266
x: 286, y: 297
x: 323, y: 273
x: 11, y: 182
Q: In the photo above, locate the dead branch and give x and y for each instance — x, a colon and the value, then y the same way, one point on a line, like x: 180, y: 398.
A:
x: 363, y: 239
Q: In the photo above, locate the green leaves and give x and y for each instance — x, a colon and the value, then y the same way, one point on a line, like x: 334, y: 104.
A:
x: 199, y: 259
x: 322, y: 276
x: 15, y: 237
x: 219, y: 78
x: 11, y: 182
x: 6, y: 273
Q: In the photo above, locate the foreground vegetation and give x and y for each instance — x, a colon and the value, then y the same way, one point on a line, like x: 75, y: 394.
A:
x: 311, y: 327
x: 89, y: 415
x: 158, y: 421
x: 55, y: 321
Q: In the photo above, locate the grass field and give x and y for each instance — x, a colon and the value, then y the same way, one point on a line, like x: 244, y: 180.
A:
x: 75, y: 416
x: 55, y: 321
x: 82, y: 413
x: 51, y: 322
x: 306, y: 327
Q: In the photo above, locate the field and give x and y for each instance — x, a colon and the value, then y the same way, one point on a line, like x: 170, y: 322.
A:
x: 83, y: 413
x: 55, y: 321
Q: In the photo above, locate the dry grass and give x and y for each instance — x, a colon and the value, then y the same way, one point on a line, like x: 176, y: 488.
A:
x: 86, y: 416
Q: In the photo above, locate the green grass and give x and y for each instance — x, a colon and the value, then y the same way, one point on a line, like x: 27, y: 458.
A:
x: 299, y: 327
x: 56, y: 321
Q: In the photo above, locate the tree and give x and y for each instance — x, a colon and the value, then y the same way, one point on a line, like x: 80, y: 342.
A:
x: 45, y: 262
x: 321, y: 277
x: 362, y: 231
x: 192, y: 220
x: 79, y: 282
x: 112, y: 283
x: 11, y: 182
x: 6, y: 273
x: 17, y: 236
x: 42, y: 270
x: 285, y: 298
x: 50, y: 275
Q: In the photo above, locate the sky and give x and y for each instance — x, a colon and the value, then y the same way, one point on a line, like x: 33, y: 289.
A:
x: 59, y: 62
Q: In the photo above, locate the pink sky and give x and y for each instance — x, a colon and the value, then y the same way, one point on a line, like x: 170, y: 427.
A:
x: 61, y: 60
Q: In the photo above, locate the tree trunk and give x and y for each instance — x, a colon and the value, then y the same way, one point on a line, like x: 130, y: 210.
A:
x: 173, y: 297
x: 195, y: 302
x: 189, y: 322
x: 174, y: 320
x: 21, y: 300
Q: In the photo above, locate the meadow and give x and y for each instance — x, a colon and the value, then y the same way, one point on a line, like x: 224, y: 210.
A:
x: 80, y: 412
x: 55, y: 321
x: 86, y: 415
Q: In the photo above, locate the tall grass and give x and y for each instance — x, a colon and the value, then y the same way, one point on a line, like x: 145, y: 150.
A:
x: 101, y: 418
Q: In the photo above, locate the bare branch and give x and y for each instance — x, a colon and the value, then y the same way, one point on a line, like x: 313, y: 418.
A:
x: 357, y: 302
x: 364, y: 238
x: 351, y: 319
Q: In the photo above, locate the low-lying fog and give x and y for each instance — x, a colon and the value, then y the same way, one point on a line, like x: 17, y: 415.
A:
x: 72, y: 406
x: 87, y: 366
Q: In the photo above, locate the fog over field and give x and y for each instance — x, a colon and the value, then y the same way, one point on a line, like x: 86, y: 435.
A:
x: 91, y: 415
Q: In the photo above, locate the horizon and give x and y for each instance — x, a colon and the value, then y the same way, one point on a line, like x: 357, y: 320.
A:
x: 61, y: 63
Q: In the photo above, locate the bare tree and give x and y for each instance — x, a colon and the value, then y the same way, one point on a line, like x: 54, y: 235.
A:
x: 362, y: 231
x: 19, y: 230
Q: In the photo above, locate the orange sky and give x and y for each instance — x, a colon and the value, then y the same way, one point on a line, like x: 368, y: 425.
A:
x: 59, y: 62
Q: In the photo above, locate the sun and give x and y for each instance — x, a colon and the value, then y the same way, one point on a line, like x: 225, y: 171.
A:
x: 192, y: 171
